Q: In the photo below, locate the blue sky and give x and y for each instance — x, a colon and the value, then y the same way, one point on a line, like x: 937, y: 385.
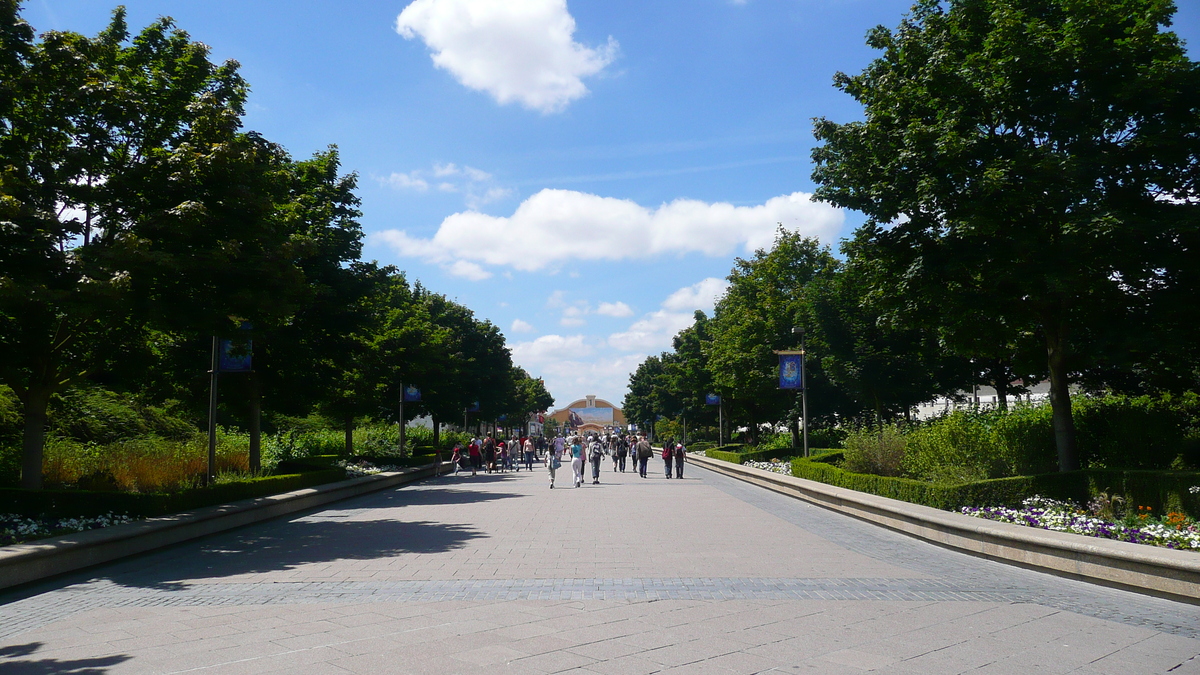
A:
x: 581, y: 173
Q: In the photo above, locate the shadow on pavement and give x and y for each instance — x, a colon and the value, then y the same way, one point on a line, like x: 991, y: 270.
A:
x: 89, y: 666
x: 285, y: 546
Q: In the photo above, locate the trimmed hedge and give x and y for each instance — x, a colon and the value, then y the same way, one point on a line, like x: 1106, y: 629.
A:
x: 736, y: 456
x: 1160, y: 490
x: 82, y: 503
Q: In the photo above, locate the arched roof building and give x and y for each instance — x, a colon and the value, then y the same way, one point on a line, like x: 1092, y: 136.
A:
x: 589, y: 414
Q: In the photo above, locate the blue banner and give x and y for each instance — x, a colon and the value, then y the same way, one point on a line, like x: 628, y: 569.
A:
x: 712, y: 399
x: 790, y: 376
x: 411, y: 393
x: 235, y: 358
x: 474, y: 407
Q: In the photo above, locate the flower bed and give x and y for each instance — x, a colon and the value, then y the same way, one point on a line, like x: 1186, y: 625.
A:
x: 1174, y: 530
x: 784, y: 468
x: 15, y: 529
x: 360, y: 467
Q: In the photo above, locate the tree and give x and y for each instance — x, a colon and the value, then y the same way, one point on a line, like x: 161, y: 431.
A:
x: 886, y: 366
x: 92, y: 130
x: 768, y: 296
x: 1050, y: 144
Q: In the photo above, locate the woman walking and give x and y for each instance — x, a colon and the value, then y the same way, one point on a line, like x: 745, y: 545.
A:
x: 527, y: 450
x: 475, y: 455
x: 553, y: 461
x: 577, y: 460
x: 668, y: 453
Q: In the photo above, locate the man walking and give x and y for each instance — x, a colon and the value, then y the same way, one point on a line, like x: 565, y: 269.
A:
x: 668, y: 453
x: 643, y: 454
x: 680, y: 452
x: 596, y: 455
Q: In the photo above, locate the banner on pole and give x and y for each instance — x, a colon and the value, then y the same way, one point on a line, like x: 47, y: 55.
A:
x: 235, y: 358
x: 712, y: 399
x: 411, y: 393
x: 789, y: 371
x: 474, y: 407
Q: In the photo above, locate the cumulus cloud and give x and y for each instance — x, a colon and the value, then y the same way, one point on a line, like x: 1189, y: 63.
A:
x: 550, y: 347
x: 468, y: 270
x: 571, y: 367
x: 519, y: 326
x: 563, y: 225
x: 654, y: 331
x: 617, y: 309
x: 516, y: 51
x: 701, y: 295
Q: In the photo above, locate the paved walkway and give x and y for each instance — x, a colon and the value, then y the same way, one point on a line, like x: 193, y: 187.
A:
x: 498, y: 574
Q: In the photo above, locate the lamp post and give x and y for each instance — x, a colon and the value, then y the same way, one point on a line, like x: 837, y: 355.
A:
x: 799, y: 330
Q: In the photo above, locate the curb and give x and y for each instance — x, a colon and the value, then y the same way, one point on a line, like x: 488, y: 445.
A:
x: 1138, y: 567
x: 23, y: 563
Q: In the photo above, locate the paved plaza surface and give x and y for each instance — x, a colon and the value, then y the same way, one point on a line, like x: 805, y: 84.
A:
x: 499, y: 574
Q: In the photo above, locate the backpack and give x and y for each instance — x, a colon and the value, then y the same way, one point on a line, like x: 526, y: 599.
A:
x: 596, y: 452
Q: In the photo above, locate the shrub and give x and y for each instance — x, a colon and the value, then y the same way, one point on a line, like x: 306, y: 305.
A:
x: 1161, y: 491
x: 79, y: 503
x: 830, y: 437
x: 879, y: 451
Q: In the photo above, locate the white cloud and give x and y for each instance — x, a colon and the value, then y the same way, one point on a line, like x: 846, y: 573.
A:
x: 548, y: 347
x: 571, y: 321
x: 519, y: 326
x: 516, y: 51
x: 617, y: 309
x: 654, y: 331
x: 701, y: 295
x: 468, y: 270
x: 406, y: 180
x: 565, y: 225
x: 571, y: 367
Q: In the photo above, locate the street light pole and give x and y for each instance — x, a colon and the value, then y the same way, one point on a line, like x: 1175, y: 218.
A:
x: 799, y: 330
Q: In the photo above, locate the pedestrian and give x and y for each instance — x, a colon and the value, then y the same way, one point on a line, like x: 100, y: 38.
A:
x: 489, y: 452
x: 643, y: 455
x: 502, y: 452
x: 680, y: 453
x: 553, y: 462
x: 668, y: 453
x: 621, y: 454
x: 476, y: 456
x: 528, y: 449
x: 596, y: 455
x: 457, y: 457
x: 577, y: 460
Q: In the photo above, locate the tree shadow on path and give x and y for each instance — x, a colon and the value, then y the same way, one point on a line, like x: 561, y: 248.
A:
x: 89, y: 666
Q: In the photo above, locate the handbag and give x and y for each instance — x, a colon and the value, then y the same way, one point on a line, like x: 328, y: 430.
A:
x: 555, y: 463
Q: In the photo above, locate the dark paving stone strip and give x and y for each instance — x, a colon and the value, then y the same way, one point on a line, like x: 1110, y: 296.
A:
x: 966, y: 572
x: 30, y: 613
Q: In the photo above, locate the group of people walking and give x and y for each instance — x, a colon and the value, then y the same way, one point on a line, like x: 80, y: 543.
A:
x: 497, y: 455
x: 490, y: 455
x: 621, y: 449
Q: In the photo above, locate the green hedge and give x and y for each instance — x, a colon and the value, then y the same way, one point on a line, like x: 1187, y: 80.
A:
x: 1160, y: 490
x: 736, y: 453
x: 81, y: 503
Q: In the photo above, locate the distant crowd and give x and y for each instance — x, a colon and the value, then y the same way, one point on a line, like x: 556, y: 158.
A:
x: 490, y: 454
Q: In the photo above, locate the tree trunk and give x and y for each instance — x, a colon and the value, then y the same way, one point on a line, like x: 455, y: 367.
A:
x: 349, y: 435
x: 1060, y: 395
x: 437, y: 433
x: 35, y: 401
x: 1001, y: 385
x: 255, y: 424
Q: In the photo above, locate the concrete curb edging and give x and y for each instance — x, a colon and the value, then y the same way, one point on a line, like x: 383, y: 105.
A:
x: 1159, y: 571
x: 23, y: 563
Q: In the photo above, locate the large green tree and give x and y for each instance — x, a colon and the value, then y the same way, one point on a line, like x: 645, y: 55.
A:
x: 115, y: 155
x: 1039, y: 153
